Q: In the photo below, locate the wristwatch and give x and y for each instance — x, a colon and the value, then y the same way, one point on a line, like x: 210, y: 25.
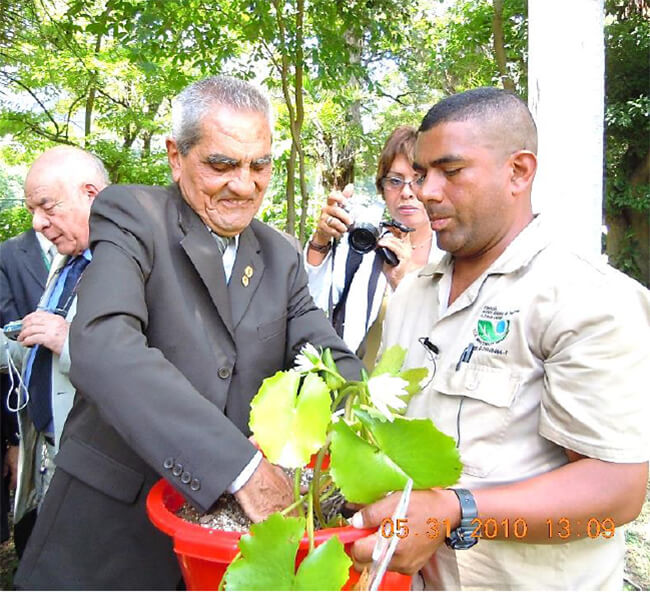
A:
x: 461, y: 538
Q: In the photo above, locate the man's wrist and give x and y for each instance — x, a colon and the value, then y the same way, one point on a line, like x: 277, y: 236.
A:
x: 461, y: 537
x: 246, y: 473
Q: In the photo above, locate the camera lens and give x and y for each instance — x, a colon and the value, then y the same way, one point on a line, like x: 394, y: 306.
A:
x: 363, y: 237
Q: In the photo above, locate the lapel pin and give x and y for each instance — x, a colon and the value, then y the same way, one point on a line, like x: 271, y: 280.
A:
x: 244, y: 281
x: 248, y: 272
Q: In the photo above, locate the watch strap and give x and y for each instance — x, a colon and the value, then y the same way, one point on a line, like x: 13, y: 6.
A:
x: 461, y: 538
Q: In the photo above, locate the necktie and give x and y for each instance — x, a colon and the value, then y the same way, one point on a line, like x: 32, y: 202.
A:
x: 40, y: 379
x: 222, y: 242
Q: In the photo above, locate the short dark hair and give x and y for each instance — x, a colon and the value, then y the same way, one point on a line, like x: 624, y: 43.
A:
x: 488, y: 104
x: 401, y: 141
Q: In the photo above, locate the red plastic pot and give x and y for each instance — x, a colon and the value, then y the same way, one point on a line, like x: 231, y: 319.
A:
x: 204, y: 554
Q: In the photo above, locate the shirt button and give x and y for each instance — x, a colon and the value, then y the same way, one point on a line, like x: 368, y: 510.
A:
x: 186, y: 478
x: 224, y: 373
x: 195, y: 485
x: 177, y: 470
x: 168, y: 463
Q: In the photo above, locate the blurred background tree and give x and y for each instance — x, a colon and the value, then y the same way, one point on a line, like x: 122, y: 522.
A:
x: 342, y: 74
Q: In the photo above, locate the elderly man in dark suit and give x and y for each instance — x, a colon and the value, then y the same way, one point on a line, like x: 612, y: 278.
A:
x: 59, y: 189
x: 24, y: 263
x: 188, y: 305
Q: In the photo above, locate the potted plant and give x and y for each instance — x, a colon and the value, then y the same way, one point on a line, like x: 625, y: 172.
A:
x: 361, y: 448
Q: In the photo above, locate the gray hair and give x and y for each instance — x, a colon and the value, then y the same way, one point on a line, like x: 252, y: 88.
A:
x: 193, y: 103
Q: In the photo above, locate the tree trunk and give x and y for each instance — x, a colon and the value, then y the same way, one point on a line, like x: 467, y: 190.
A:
x: 628, y: 233
x: 290, y: 226
x: 344, y: 165
x: 499, y: 44
x: 90, y: 99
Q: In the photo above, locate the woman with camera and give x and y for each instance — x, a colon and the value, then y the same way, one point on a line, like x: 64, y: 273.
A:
x: 351, y: 287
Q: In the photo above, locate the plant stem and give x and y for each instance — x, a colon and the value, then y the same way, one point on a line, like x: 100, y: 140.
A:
x: 315, y: 483
x: 340, y: 395
x: 310, y: 520
x: 323, y: 487
x: 348, y: 409
x: 296, y: 489
x: 295, y: 504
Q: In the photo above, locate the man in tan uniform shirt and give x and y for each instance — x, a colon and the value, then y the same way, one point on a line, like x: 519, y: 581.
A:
x: 541, y: 371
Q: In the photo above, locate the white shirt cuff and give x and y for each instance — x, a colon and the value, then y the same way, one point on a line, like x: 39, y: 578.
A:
x: 246, y: 473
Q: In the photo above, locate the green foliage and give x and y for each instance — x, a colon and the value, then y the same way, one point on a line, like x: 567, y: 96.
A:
x: 13, y: 221
x: 373, y: 449
x: 290, y: 424
x: 627, y: 128
x: 403, y: 448
x: 268, y: 556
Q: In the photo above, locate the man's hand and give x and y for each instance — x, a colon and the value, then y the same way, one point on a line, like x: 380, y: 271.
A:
x: 423, y: 536
x: 44, y: 328
x: 10, y: 466
x: 268, y: 490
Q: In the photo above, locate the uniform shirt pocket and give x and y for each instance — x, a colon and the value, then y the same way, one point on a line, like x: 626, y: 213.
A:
x: 483, y: 398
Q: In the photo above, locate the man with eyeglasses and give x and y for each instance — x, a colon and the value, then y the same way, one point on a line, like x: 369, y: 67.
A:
x: 353, y: 288
x: 60, y: 187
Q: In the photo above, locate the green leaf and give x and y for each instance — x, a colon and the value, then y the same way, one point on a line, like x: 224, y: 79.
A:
x: 422, y: 451
x: 391, y: 361
x: 268, y: 555
x: 406, y: 447
x: 414, y: 377
x: 289, y: 428
x: 327, y: 567
x: 362, y: 473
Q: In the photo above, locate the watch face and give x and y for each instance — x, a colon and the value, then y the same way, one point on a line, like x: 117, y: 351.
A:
x: 461, y: 539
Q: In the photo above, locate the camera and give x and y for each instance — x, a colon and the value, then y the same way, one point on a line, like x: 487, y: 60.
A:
x: 368, y: 228
x: 13, y: 329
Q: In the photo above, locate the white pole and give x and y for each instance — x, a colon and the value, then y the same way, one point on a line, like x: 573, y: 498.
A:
x: 566, y: 74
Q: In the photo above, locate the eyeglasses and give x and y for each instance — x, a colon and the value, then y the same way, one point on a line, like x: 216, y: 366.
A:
x: 397, y: 183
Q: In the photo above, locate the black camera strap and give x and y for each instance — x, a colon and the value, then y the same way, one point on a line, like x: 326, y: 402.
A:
x: 352, y: 264
x: 377, y: 265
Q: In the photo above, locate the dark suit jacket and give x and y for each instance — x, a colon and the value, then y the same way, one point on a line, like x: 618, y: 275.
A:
x: 23, y: 274
x: 166, y: 358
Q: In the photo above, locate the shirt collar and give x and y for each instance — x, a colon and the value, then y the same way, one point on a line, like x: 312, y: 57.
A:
x: 228, y: 238
x: 524, y: 247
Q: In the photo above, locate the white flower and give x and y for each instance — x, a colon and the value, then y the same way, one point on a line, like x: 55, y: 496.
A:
x: 308, y: 359
x: 384, y: 393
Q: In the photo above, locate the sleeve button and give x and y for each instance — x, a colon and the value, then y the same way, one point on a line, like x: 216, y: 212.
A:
x: 177, y: 470
x: 195, y: 485
x: 168, y: 463
x: 186, y: 477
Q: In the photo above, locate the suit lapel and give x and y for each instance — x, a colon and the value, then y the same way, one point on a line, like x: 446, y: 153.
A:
x: 202, y: 250
x: 34, y: 262
x: 246, y: 274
